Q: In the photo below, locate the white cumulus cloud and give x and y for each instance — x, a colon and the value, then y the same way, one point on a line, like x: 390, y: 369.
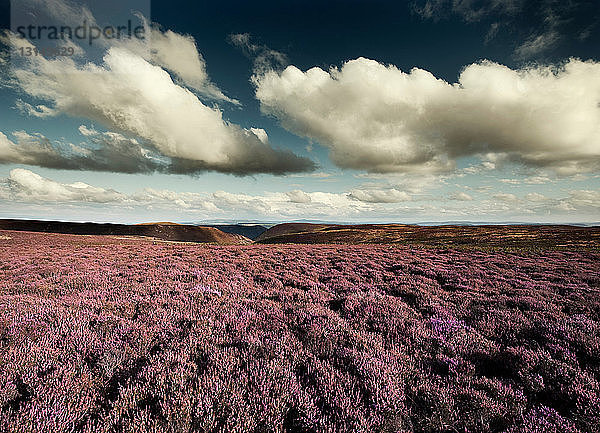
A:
x: 378, y: 118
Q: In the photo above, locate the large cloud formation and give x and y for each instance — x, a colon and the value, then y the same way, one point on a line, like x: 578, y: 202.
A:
x: 379, y: 118
x: 131, y: 94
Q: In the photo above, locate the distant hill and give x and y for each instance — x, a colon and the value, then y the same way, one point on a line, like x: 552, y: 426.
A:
x: 517, y: 236
x: 251, y: 231
x: 289, y: 229
x: 163, y: 230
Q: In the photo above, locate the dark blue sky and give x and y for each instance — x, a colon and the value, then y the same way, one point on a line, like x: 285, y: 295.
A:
x: 329, y: 33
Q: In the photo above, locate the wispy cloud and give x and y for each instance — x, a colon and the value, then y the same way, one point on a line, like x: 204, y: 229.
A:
x: 539, y: 25
x: 468, y: 10
x: 537, y: 44
x: 263, y: 57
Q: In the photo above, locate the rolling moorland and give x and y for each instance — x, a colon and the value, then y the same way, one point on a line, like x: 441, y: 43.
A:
x: 166, y: 231
x: 478, y: 236
x: 457, y: 236
x: 372, y: 329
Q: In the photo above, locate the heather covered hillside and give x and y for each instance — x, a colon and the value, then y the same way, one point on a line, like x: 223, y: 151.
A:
x: 479, y: 236
x: 101, y: 334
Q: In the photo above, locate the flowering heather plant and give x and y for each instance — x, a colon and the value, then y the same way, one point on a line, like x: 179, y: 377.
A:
x: 101, y: 334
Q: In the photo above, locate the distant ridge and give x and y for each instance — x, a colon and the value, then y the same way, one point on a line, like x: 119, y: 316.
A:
x: 494, y: 236
x: 440, y: 236
x: 287, y: 229
x: 164, y: 231
x: 503, y: 223
x: 251, y: 231
x: 168, y: 223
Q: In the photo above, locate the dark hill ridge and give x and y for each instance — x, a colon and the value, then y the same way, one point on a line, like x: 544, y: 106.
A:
x: 163, y: 230
x: 446, y: 236
x: 494, y: 236
x: 288, y: 229
x: 251, y: 231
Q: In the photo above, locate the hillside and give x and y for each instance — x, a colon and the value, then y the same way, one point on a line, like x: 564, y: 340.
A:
x: 163, y: 230
x: 251, y: 231
x: 505, y: 236
x: 288, y: 229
